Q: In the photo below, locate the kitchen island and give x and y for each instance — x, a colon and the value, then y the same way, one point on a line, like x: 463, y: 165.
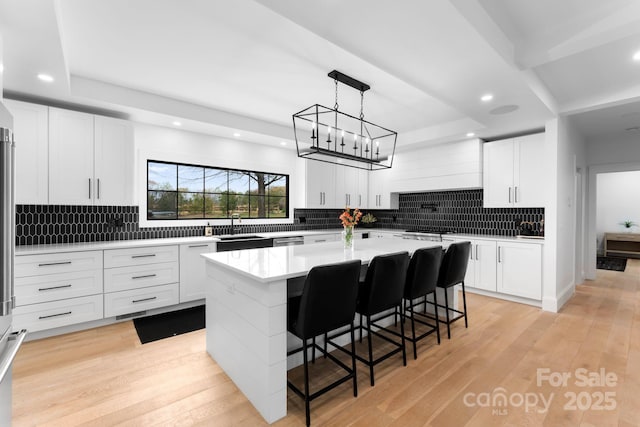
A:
x: 247, y: 310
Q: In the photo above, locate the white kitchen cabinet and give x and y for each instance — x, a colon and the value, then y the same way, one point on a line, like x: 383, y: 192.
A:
x: 320, y: 184
x: 322, y: 238
x: 113, y: 171
x: 54, y: 290
x: 520, y: 269
x: 90, y: 159
x: 193, y: 276
x: 513, y: 172
x: 379, y: 195
x: 30, y: 128
x: 137, y: 300
x: 481, y: 270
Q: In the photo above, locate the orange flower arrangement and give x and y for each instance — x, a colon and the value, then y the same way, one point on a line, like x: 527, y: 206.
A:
x: 348, y: 219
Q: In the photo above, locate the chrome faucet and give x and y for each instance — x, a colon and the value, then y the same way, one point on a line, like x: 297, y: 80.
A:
x: 234, y: 216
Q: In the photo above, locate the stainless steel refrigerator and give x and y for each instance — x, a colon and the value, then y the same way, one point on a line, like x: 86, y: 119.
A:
x: 10, y: 341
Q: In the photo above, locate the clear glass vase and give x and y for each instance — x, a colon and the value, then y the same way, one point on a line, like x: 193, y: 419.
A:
x: 347, y: 238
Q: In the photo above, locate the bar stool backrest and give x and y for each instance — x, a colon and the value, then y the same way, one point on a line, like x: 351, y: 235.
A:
x: 422, y: 274
x: 454, y: 264
x: 328, y: 299
x: 384, y: 282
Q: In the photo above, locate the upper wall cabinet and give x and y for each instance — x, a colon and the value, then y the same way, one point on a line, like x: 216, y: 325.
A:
x: 513, y: 172
x: 321, y: 183
x: 90, y: 159
x: 32, y: 151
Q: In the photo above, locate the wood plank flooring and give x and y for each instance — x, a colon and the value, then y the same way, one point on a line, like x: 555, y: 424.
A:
x: 105, y: 377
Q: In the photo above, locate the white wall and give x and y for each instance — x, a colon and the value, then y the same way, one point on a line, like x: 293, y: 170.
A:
x: 160, y: 143
x: 566, y: 153
x: 618, y: 200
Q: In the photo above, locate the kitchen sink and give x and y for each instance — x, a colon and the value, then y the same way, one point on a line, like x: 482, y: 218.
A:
x: 239, y: 237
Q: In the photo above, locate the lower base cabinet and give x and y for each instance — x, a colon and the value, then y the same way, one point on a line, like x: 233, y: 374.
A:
x: 520, y: 269
x: 193, y: 275
x: 135, y: 300
x: 55, y: 314
x: 481, y: 270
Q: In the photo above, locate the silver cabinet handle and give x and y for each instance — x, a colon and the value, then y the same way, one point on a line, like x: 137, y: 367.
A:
x: 143, y: 256
x: 89, y: 188
x: 54, y: 287
x: 499, y: 254
x: 198, y: 246
x: 48, y: 264
x: 98, y: 181
x: 66, y: 313
x: 320, y: 241
x: 509, y: 194
x: 143, y: 299
x: 477, y: 256
x: 321, y: 198
x: 146, y: 276
x: 359, y: 199
x: 515, y: 194
x: 14, y: 342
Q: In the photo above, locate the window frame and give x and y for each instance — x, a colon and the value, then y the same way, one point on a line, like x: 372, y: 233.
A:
x: 204, y: 194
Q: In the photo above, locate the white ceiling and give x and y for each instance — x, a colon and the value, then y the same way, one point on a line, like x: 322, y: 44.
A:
x: 245, y: 66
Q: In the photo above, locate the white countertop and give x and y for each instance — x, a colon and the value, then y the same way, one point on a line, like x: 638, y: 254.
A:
x: 271, y: 264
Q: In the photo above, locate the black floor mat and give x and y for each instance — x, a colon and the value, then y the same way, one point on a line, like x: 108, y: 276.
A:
x: 159, y: 326
x: 609, y: 263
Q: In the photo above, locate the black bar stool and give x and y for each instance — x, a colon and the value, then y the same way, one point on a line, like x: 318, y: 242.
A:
x: 422, y: 279
x: 452, y: 272
x: 382, y: 290
x: 328, y: 302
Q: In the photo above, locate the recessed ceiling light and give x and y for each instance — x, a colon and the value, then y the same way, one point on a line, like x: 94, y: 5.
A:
x: 470, y: 134
x: 45, y: 78
x: 176, y: 123
x: 283, y: 142
x: 636, y: 56
x: 236, y: 134
x: 486, y: 98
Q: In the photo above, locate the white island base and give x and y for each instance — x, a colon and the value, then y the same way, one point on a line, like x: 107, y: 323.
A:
x: 246, y: 311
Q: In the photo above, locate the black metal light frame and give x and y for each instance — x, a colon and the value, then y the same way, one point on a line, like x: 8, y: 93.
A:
x: 374, y: 150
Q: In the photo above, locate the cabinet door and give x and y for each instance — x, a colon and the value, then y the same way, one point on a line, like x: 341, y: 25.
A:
x: 113, y: 183
x: 470, y: 277
x: 484, y: 253
x: 30, y: 127
x: 379, y: 195
x: 519, y: 270
x: 497, y: 174
x: 529, y: 176
x: 362, y: 190
x: 70, y: 157
x: 193, y: 276
x: 320, y: 184
x: 346, y: 187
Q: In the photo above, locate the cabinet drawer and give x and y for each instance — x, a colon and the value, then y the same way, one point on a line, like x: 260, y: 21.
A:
x: 53, y: 287
x: 118, y: 303
x: 36, y: 265
x: 125, y: 278
x: 140, y: 256
x: 48, y: 315
x: 321, y: 238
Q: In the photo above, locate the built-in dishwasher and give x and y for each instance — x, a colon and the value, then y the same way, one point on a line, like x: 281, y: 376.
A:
x: 288, y: 241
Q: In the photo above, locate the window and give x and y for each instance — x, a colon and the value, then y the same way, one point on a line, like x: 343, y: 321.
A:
x: 180, y: 191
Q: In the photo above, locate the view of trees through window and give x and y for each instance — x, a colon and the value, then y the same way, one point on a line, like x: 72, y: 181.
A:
x: 180, y: 191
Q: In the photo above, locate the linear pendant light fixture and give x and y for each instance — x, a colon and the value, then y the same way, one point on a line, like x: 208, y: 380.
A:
x: 329, y: 135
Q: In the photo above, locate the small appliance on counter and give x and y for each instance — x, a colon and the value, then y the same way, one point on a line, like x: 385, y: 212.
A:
x: 530, y: 229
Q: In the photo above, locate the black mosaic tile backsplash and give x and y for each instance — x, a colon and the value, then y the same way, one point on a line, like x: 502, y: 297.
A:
x: 459, y: 211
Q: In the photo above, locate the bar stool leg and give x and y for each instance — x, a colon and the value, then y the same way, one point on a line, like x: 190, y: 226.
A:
x: 435, y: 304
x: 306, y: 382
x: 464, y: 303
x: 446, y: 305
x: 413, y: 332
x: 370, y: 350
x: 353, y: 361
x: 404, y: 347
x: 313, y: 350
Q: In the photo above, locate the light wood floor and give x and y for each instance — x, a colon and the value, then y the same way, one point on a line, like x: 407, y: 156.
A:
x: 104, y: 377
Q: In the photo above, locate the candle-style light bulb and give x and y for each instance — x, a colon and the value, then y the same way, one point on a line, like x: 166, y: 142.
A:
x: 366, y: 149
x: 328, y: 136
x: 342, y: 141
x: 313, y: 133
x: 377, y: 148
x: 355, y: 142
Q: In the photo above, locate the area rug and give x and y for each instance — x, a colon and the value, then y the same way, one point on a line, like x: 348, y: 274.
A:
x: 159, y: 326
x: 609, y: 263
